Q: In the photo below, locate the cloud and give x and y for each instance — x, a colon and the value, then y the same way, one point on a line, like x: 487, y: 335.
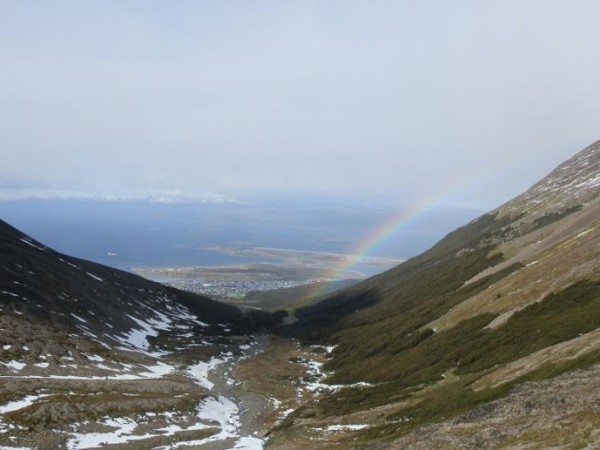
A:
x: 378, y: 99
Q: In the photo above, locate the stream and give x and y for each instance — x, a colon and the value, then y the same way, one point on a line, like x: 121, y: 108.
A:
x: 237, y: 411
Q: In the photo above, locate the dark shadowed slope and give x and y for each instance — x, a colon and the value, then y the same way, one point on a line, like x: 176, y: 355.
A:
x: 40, y: 283
x: 92, y: 356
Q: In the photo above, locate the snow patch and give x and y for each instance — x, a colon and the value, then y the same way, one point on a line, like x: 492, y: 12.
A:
x: 122, y: 435
x: 249, y: 443
x: 97, y: 278
x: 31, y: 244
x: 69, y: 264
x: 332, y: 428
x: 12, y: 294
x: 14, y: 365
x: 199, y: 372
x: 222, y: 411
x: 583, y: 233
x: 20, y: 404
x: 81, y: 319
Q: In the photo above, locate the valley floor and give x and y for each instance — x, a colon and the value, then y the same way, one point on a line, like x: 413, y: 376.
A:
x: 258, y: 393
x: 217, y: 393
x: 164, y: 403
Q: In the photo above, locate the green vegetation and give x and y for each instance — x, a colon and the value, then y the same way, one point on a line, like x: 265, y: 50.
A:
x: 378, y: 324
x: 380, y: 319
x: 421, y: 375
x: 433, y: 372
x: 546, y: 220
x: 371, y: 340
x: 559, y: 317
x: 550, y: 370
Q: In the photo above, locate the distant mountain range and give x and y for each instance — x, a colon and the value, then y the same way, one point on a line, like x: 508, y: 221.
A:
x: 490, y: 338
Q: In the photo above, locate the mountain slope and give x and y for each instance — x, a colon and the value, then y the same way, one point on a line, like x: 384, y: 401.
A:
x: 513, y: 295
x: 39, y: 282
x: 91, y: 354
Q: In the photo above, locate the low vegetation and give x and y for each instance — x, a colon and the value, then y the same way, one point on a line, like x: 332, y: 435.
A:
x: 550, y: 218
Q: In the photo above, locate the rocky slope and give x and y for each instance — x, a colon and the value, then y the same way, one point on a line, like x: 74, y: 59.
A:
x: 92, y: 356
x: 512, y: 297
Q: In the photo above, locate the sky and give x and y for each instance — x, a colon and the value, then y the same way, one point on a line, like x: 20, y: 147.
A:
x: 469, y: 102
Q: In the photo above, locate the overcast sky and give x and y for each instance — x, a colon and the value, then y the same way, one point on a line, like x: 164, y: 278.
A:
x: 471, y: 101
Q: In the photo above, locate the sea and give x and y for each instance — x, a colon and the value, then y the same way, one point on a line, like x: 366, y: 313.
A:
x: 129, y: 234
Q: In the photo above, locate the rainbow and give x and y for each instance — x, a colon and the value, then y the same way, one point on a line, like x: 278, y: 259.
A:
x: 399, y: 220
x: 367, y: 245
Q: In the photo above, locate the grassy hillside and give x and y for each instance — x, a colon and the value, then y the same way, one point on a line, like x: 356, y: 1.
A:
x: 510, y: 297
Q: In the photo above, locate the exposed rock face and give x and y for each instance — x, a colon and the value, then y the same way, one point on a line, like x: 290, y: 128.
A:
x: 573, y: 183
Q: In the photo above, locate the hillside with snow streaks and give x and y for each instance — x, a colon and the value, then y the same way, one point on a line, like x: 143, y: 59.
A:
x: 104, y: 357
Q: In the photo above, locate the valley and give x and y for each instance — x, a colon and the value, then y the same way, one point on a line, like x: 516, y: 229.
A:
x: 489, y: 339
x: 299, y: 225
x: 219, y: 392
